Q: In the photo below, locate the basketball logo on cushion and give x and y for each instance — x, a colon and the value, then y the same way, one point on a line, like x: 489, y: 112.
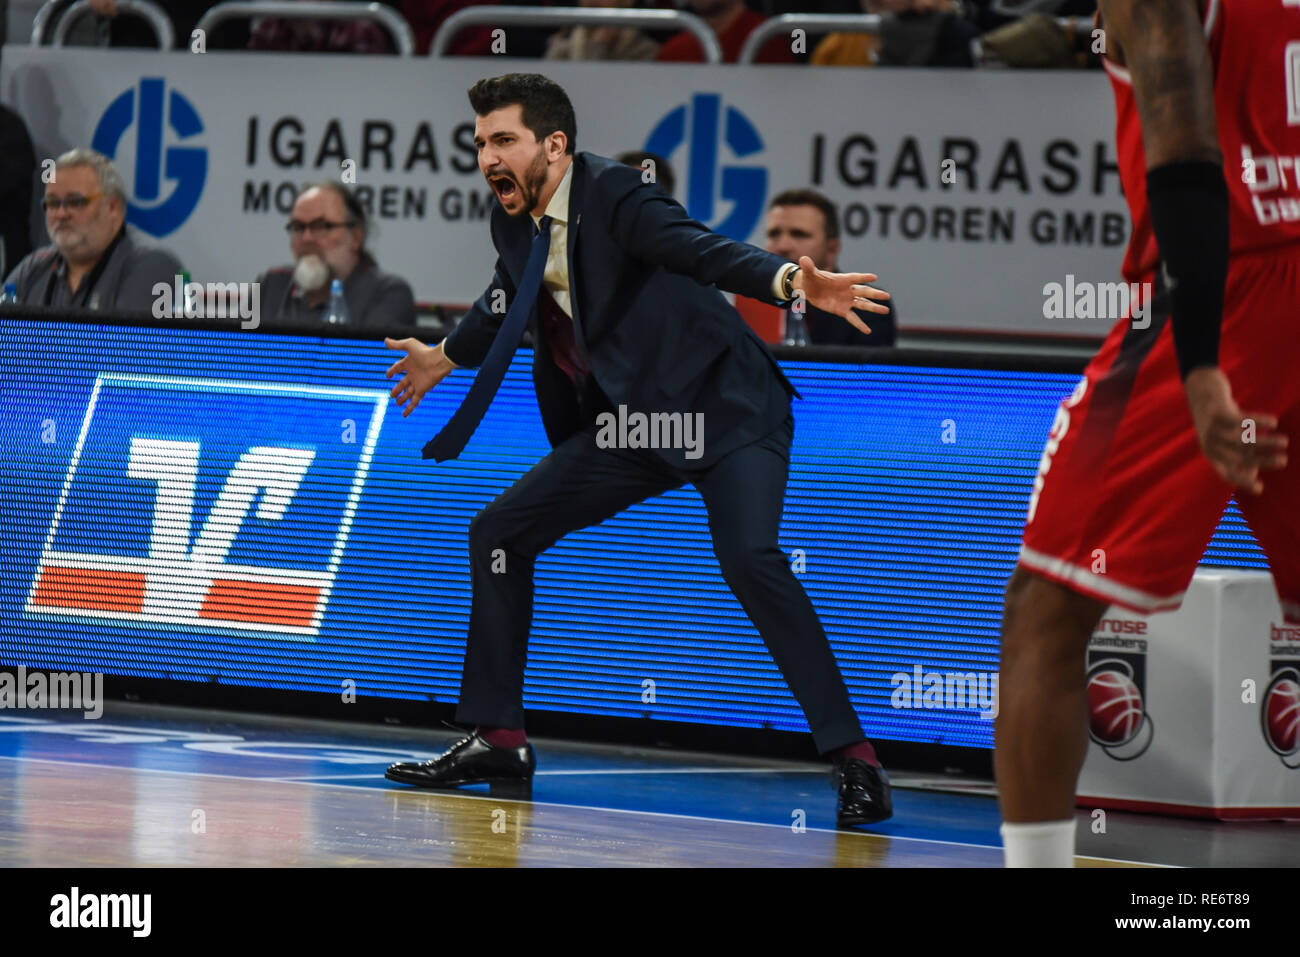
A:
x: 1282, y: 716
x: 1114, y: 706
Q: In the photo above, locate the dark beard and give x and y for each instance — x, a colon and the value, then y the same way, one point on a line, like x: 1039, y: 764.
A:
x: 531, y: 188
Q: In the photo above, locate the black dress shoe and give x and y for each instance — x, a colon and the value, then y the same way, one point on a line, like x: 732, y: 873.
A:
x: 470, y: 760
x: 864, y: 795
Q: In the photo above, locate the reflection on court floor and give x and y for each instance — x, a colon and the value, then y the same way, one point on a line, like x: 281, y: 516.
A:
x: 177, y: 787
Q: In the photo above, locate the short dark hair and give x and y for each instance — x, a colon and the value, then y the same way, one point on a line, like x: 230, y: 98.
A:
x: 810, y: 197
x: 663, y: 172
x: 355, y: 210
x: 546, y: 107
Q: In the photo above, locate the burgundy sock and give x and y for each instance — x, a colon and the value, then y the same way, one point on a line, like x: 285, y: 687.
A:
x: 862, y: 750
x: 503, y: 737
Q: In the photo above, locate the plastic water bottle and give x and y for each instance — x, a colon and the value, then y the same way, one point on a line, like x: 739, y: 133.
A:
x: 10, y: 293
x: 337, y: 313
x: 796, y: 332
x: 178, y: 307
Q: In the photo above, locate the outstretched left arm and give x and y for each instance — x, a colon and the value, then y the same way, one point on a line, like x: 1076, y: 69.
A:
x: 654, y: 227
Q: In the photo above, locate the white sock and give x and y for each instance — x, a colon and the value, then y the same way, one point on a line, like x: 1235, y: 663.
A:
x: 1041, y: 844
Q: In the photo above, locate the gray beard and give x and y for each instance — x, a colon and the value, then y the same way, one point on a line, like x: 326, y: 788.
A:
x: 311, y: 273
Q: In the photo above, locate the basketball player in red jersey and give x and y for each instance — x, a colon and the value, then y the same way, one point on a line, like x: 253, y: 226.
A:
x: 1171, y: 420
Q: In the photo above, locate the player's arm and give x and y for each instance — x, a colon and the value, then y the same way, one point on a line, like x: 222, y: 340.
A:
x: 1162, y: 42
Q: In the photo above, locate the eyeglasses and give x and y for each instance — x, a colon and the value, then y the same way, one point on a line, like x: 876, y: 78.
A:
x: 315, y: 227
x: 73, y: 202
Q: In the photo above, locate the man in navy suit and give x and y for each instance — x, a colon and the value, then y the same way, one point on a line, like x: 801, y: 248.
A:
x: 627, y: 318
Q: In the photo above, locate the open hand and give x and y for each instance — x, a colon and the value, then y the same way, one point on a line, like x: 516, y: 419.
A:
x: 422, y: 368
x: 1237, y: 444
x: 840, y: 292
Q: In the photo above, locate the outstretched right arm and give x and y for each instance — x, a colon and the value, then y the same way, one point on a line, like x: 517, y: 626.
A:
x: 425, y: 366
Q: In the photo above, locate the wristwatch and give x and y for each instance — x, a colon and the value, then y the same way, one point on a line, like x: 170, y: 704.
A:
x: 787, y: 283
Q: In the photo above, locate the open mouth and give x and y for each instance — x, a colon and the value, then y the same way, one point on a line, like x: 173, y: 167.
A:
x: 504, y: 186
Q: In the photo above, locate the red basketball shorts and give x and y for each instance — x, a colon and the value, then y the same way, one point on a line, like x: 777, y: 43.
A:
x: 1125, y: 502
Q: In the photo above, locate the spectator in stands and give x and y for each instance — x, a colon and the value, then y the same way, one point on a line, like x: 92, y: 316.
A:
x: 95, y: 261
x: 320, y: 36
x: 913, y: 33
x: 17, y: 171
x: 990, y: 14
x: 663, y: 173
x: 849, y: 49
x: 327, y: 236
x: 803, y: 222
x: 184, y: 14
x: 732, y: 22
x: 601, y: 43
x: 426, y: 16
x: 1039, y: 42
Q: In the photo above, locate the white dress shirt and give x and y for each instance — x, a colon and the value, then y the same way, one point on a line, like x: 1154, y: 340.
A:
x: 556, y: 276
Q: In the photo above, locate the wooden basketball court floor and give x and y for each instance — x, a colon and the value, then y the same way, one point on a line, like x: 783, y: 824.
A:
x: 156, y: 786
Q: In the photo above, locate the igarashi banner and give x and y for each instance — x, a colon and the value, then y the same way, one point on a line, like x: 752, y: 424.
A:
x: 967, y: 192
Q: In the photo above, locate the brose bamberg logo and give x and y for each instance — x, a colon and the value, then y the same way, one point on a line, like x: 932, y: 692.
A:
x: 1280, y: 710
x: 156, y: 115
x: 1267, y: 174
x: 1117, y: 718
x: 700, y: 126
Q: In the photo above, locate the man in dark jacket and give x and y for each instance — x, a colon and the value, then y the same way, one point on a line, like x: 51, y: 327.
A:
x: 94, y: 261
x: 616, y: 278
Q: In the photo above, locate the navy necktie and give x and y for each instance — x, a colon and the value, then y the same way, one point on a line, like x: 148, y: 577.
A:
x: 449, y: 443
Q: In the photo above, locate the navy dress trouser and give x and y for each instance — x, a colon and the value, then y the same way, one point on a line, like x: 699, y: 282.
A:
x: 580, y: 484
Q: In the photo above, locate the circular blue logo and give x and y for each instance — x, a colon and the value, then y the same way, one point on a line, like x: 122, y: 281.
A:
x: 187, y: 166
x: 745, y: 187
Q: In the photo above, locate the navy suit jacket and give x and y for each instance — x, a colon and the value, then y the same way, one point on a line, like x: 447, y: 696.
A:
x: 648, y: 316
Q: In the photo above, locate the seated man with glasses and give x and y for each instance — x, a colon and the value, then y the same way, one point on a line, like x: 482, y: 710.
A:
x: 327, y: 236
x: 94, y: 261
